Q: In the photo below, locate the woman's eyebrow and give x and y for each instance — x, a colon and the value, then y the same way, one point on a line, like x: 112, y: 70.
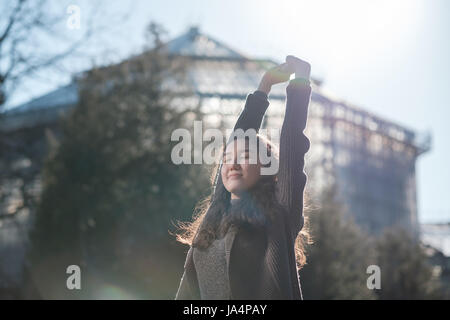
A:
x: 230, y: 152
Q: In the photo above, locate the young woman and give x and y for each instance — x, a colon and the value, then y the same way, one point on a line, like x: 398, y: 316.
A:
x: 246, y: 242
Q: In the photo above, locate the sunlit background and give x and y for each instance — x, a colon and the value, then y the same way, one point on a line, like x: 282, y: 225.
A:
x: 389, y: 57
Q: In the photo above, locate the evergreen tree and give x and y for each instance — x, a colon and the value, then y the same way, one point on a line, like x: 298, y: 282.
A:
x: 110, y: 187
x: 405, y: 270
x: 338, y: 258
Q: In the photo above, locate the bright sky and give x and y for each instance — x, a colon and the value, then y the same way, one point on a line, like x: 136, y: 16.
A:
x: 389, y: 57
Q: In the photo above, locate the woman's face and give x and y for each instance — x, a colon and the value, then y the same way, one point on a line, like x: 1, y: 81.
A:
x: 241, y: 169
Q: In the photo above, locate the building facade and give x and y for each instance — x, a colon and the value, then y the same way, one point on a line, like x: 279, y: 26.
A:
x: 371, y: 159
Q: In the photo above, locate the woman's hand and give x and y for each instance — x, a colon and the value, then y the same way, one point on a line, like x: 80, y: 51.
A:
x: 278, y: 74
x: 282, y: 73
x: 301, y: 68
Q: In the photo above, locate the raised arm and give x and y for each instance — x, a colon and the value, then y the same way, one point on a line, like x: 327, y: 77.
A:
x: 255, y: 107
x: 248, y: 279
x: 293, y: 146
x: 253, y: 112
x: 257, y: 102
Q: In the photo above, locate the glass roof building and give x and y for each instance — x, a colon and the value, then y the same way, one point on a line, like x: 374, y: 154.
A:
x: 371, y: 159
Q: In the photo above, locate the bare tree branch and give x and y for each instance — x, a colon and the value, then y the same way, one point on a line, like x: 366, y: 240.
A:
x: 12, y: 20
x: 24, y: 48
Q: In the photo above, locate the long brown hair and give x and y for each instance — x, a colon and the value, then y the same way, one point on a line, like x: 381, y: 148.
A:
x: 210, y: 220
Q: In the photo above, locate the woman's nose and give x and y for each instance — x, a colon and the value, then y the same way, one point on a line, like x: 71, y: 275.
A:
x: 235, y: 165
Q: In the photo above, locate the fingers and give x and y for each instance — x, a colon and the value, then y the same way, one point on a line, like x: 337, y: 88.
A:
x: 289, y: 59
x: 284, y: 67
x: 281, y: 73
x: 278, y: 74
x: 293, y: 60
x: 299, y: 66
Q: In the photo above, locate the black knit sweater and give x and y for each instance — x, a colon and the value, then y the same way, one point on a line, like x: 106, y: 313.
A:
x: 263, y: 266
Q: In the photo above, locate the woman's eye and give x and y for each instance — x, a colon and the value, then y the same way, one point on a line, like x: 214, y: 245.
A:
x: 241, y: 157
x: 228, y: 159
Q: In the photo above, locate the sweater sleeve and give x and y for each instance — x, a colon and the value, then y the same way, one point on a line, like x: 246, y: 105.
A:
x: 253, y: 112
x: 250, y: 117
x: 293, y: 146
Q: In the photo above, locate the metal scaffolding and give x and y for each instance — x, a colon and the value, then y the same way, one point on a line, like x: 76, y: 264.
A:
x: 371, y: 159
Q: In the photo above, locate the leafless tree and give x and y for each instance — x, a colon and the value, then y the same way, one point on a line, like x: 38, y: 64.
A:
x: 37, y: 35
x: 37, y: 41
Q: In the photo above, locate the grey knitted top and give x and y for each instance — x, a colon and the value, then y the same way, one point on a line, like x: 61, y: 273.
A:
x: 211, y: 265
x: 212, y: 271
